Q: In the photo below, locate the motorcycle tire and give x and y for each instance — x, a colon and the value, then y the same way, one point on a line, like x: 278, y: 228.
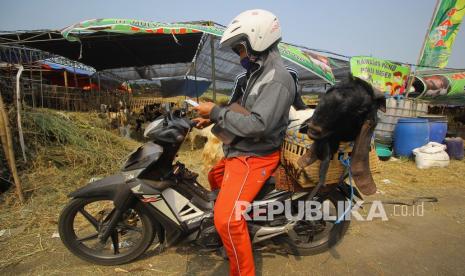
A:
x: 335, y: 235
x: 69, y: 238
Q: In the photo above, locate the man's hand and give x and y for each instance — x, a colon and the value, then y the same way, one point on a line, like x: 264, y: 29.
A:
x: 204, y: 109
x: 201, y: 122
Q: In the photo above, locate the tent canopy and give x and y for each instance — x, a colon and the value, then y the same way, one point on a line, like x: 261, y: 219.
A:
x: 134, y: 49
x: 105, y: 51
x: 60, y: 67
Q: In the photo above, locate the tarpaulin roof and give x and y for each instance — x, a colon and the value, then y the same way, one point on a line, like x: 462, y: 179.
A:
x: 134, y: 49
x: 150, y: 72
x: 61, y: 67
x: 102, y: 50
x: 83, y: 30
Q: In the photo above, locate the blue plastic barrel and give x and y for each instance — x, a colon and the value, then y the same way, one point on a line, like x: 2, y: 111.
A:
x: 410, y: 133
x: 437, y: 127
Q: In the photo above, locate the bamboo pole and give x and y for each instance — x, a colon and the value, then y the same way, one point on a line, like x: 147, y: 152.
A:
x: 31, y: 82
x: 3, y: 137
x: 428, y: 31
x: 18, y: 111
x: 65, y: 77
x: 75, y: 75
x: 212, y: 48
x: 98, y: 81
x: 7, y: 143
x: 99, y: 102
x: 41, y: 90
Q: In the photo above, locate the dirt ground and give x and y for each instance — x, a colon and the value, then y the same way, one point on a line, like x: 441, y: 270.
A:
x: 409, y: 243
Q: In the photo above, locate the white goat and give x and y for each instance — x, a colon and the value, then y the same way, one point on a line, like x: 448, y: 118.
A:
x: 298, y: 117
x: 212, y: 152
x: 195, y: 132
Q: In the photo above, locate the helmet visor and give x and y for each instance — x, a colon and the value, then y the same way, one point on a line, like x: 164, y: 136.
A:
x: 239, y: 47
x: 232, y: 41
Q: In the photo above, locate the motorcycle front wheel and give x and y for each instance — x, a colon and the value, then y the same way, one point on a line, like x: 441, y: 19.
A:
x: 83, y: 219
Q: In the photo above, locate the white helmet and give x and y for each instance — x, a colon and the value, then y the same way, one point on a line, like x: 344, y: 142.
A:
x: 259, y: 28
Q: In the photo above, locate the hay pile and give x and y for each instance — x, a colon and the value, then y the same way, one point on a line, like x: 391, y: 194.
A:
x: 64, y: 151
x: 406, y: 180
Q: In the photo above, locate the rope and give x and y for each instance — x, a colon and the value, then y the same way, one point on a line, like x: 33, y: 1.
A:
x: 410, y: 202
x: 291, y: 135
x: 346, y: 163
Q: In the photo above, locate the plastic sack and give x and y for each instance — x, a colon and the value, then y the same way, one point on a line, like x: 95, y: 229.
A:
x: 431, y: 155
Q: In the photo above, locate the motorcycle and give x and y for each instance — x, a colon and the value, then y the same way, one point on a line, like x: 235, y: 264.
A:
x: 154, y: 199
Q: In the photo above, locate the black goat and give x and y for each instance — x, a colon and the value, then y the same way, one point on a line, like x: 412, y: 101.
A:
x: 347, y: 112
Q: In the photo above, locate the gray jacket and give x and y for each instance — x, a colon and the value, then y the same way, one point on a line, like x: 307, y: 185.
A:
x: 268, y: 96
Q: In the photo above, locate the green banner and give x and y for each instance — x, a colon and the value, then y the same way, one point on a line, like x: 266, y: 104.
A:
x: 443, y: 85
x: 457, y: 84
x: 318, y: 64
x: 131, y: 26
x: 444, y: 28
x: 314, y: 63
x: 388, y: 77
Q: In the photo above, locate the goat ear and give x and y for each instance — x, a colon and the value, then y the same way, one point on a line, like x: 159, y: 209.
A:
x: 360, y: 163
x: 378, y: 96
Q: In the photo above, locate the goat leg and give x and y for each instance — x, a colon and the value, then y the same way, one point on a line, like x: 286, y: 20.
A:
x: 324, y: 165
x: 360, y: 164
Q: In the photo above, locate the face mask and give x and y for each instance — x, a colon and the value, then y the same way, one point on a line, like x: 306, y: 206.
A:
x: 245, y: 62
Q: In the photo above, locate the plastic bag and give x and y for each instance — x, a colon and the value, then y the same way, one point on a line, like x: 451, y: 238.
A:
x: 431, y: 155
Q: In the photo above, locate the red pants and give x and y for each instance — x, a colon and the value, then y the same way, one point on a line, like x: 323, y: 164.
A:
x: 240, y: 179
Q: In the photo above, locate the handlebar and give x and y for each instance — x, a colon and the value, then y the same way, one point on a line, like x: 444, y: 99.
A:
x: 170, y: 115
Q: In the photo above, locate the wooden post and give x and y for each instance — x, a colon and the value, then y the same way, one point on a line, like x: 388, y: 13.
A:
x: 32, y: 86
x: 75, y: 75
x: 99, y: 91
x: 90, y: 96
x: 195, y: 78
x: 212, y: 45
x: 98, y: 81
x: 41, y: 89
x: 65, y: 77
x: 73, y: 99
x: 7, y: 142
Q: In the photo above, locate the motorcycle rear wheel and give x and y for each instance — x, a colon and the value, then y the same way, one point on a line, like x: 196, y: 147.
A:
x: 135, y: 222
x: 329, y: 237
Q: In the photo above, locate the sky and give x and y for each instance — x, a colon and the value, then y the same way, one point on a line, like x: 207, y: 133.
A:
x: 393, y: 29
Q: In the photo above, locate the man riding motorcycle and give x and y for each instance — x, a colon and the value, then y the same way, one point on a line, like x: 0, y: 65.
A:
x: 254, y: 154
